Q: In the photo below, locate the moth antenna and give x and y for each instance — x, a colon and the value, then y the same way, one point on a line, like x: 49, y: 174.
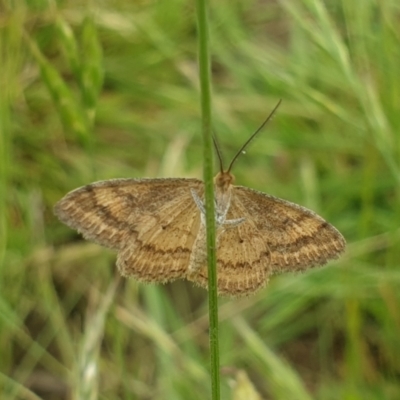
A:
x: 253, y: 136
x: 219, y: 154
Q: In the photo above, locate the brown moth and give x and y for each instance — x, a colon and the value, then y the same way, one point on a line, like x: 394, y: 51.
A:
x: 158, y: 228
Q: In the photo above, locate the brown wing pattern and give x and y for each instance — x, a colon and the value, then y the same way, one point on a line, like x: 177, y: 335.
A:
x: 242, y: 258
x: 277, y: 236
x: 295, y: 237
x: 163, y: 243
x: 152, y: 222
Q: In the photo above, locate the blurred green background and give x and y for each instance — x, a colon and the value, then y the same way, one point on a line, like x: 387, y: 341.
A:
x: 98, y: 90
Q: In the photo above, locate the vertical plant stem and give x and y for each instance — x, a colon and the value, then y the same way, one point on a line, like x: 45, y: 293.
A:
x: 205, y: 88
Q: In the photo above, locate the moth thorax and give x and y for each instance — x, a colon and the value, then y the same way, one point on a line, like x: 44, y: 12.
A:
x: 223, y: 180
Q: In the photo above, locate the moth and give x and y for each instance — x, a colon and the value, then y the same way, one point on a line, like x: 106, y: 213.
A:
x: 157, y: 227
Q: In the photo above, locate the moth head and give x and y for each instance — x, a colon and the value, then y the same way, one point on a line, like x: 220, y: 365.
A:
x: 223, y: 180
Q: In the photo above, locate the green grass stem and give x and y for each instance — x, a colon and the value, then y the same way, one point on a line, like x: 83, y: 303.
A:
x: 205, y: 96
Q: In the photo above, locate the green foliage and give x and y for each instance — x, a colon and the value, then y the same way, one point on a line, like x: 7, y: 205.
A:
x: 110, y: 90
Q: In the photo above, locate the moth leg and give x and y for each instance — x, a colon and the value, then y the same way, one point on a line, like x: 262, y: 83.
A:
x: 220, y: 215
